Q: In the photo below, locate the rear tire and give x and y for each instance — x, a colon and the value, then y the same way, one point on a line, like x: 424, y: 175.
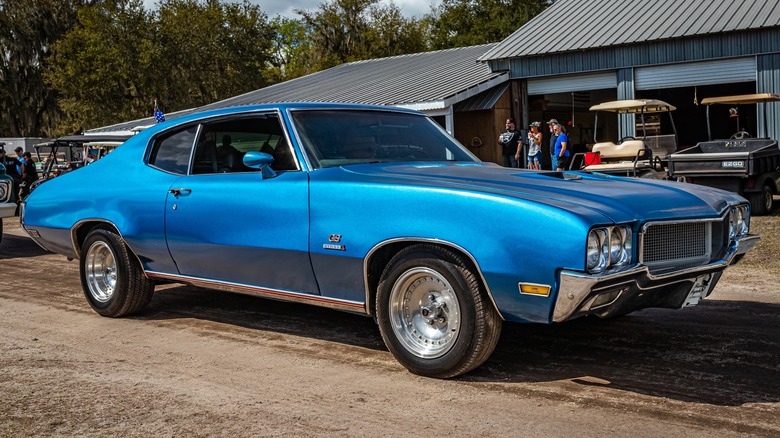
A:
x: 111, y: 277
x: 761, y: 203
x: 434, y: 313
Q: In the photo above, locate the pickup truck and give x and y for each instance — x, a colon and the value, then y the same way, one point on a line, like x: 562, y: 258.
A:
x: 742, y: 164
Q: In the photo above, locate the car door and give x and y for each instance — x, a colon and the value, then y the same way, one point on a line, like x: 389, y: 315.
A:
x: 229, y: 224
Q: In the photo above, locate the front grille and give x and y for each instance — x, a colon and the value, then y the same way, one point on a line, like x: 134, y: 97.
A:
x: 669, y: 246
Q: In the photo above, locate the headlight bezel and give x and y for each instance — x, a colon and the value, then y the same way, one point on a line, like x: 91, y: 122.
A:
x: 739, y: 221
x: 615, y: 246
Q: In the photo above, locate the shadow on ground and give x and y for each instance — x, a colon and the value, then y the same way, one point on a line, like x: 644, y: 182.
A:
x: 720, y: 352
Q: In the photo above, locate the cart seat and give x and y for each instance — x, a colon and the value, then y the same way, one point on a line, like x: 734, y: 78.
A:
x: 627, y: 149
x: 618, y: 165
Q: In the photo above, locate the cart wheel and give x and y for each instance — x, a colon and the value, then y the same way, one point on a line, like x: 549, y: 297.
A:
x: 761, y: 203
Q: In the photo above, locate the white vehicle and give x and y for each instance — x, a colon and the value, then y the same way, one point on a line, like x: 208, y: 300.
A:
x: 630, y: 156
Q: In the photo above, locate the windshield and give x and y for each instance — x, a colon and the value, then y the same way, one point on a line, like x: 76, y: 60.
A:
x: 341, y: 137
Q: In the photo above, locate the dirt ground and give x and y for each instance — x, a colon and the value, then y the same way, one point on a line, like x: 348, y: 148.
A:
x: 205, y: 363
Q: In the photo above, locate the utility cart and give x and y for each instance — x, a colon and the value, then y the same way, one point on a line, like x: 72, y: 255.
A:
x: 742, y: 164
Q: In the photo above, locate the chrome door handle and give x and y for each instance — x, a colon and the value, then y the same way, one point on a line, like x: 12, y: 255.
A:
x: 180, y: 191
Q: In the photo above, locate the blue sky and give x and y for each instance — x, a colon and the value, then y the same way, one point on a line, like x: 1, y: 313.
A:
x: 410, y: 8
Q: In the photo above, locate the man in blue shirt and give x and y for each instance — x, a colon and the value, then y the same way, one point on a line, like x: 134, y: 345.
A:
x: 19, y: 156
x: 561, y: 148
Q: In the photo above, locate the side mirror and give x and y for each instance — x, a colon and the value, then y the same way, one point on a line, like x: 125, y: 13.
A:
x: 260, y: 160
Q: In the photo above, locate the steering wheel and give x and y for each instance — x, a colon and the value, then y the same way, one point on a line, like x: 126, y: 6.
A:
x: 740, y: 135
x: 626, y: 138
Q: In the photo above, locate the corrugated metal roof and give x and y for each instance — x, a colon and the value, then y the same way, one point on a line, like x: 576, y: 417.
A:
x: 421, y: 80
x: 571, y: 25
x: 482, y: 101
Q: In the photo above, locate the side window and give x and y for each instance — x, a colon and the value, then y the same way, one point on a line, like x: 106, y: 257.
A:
x: 222, y: 145
x: 172, y: 153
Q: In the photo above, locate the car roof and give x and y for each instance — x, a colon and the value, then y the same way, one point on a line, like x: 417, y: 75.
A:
x: 288, y: 106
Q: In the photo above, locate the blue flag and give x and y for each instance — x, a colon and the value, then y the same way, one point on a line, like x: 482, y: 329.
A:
x: 158, y: 114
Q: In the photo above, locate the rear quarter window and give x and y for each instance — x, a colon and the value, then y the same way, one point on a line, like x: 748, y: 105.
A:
x: 172, y: 152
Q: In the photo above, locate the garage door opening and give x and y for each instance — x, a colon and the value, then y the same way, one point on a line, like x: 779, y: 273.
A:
x: 691, y: 117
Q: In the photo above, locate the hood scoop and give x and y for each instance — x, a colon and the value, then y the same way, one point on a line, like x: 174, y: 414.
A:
x: 562, y: 175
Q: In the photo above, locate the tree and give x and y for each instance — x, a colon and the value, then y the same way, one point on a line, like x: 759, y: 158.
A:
x: 211, y: 51
x: 291, y: 49
x: 28, y: 28
x: 101, y: 67
x: 120, y: 58
x: 351, y: 30
x: 391, y: 34
x: 460, y: 23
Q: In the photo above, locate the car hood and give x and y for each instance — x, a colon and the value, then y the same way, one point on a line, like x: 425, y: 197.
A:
x: 617, y: 199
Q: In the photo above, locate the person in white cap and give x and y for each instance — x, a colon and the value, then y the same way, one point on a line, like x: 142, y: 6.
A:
x: 535, y: 147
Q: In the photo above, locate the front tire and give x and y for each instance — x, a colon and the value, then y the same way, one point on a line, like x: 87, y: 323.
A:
x: 111, y: 277
x: 434, y: 313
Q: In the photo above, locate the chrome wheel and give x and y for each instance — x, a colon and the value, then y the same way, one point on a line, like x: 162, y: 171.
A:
x: 424, y: 312
x: 113, y: 281
x: 100, y: 271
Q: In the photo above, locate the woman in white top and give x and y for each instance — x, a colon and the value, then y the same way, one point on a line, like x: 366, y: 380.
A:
x: 534, y: 149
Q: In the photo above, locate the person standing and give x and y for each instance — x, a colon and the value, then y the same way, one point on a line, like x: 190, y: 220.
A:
x: 553, y: 138
x: 19, y: 156
x: 11, y: 165
x: 562, y: 153
x: 535, y: 147
x: 29, y: 175
x: 511, y: 146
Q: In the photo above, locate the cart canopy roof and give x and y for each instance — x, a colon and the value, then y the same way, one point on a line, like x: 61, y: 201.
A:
x: 634, y: 106
x: 90, y: 139
x: 742, y: 99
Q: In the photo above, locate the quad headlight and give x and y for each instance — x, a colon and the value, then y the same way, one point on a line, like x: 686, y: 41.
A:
x: 609, y: 248
x: 739, y: 221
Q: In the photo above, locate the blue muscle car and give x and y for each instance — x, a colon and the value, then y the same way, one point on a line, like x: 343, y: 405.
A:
x: 379, y: 211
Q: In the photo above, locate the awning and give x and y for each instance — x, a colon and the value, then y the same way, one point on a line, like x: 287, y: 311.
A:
x: 482, y: 101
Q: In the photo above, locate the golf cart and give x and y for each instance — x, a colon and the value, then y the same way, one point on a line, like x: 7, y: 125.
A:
x: 630, y: 156
x: 742, y: 164
x: 72, y: 152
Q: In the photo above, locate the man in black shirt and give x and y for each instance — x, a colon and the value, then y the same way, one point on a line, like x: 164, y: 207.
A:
x: 29, y: 174
x: 510, y: 143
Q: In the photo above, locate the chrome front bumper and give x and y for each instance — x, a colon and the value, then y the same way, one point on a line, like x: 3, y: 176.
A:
x: 580, y: 294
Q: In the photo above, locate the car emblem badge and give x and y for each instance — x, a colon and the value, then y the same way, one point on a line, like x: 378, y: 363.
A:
x: 335, y: 239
